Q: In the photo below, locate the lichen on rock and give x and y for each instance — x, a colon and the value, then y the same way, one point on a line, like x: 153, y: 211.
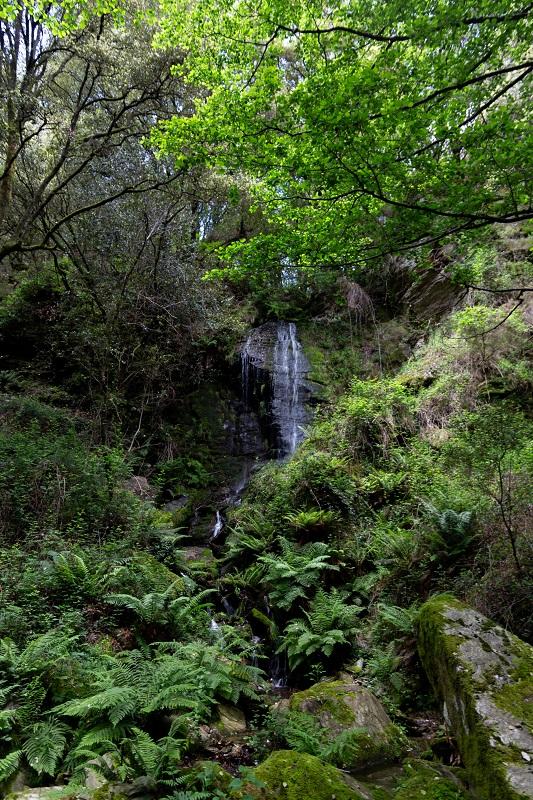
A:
x: 483, y: 675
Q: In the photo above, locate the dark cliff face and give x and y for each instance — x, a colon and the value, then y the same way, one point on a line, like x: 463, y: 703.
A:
x: 274, y: 382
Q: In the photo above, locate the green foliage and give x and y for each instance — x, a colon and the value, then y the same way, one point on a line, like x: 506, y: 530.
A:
x: 312, y: 521
x: 329, y: 624
x: 182, y: 615
x: 51, y: 478
x: 454, y: 530
x: 112, y: 700
x: 45, y: 746
x: 303, y: 733
x: 426, y: 91
x: 182, y: 472
x: 375, y: 413
x: 297, y: 569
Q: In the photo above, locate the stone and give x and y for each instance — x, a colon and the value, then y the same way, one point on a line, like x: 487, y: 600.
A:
x: 140, y: 487
x: 177, y: 503
x: 231, y: 720
x: 424, y: 781
x: 288, y: 775
x: 19, y: 781
x: 340, y: 706
x: 199, y: 560
x: 483, y: 676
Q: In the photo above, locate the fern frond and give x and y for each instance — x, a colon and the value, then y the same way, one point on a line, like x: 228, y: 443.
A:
x: 45, y: 746
x: 9, y: 764
x: 118, y: 701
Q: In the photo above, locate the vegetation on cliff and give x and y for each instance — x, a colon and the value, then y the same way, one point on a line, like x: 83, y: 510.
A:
x: 171, y: 176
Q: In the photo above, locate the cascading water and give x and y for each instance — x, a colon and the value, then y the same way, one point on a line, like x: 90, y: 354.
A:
x: 275, y: 389
x: 218, y: 526
x: 274, y: 382
x: 289, y: 414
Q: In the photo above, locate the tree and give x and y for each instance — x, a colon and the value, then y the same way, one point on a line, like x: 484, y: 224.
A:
x: 76, y: 88
x: 370, y: 128
x: 493, y: 448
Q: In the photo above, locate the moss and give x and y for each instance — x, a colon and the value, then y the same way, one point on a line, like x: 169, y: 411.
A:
x: 424, y: 782
x: 161, y: 518
x: 287, y: 775
x: 450, y: 670
x: 517, y: 697
x: 327, y: 702
x: 107, y: 792
x: 331, y: 696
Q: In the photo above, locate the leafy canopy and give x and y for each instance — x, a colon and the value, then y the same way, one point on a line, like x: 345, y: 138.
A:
x: 367, y: 127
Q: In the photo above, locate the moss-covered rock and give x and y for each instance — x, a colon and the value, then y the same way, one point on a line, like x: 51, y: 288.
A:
x: 423, y: 781
x: 199, y: 561
x: 341, y: 707
x: 231, y: 720
x: 483, y: 675
x: 287, y: 775
x: 44, y: 793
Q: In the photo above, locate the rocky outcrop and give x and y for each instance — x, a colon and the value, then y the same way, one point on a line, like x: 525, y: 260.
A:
x: 287, y: 775
x: 483, y: 676
x: 340, y: 707
x: 139, y: 485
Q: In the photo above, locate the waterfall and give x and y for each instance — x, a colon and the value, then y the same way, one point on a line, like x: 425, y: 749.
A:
x: 218, y: 526
x: 274, y: 382
x: 245, y: 370
x: 275, y: 392
x: 288, y: 412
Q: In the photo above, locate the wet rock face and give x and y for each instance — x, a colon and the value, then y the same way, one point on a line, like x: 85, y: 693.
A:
x: 484, y: 678
x: 274, y: 381
x: 341, y: 707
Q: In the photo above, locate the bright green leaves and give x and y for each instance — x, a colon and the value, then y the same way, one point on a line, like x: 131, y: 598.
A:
x: 65, y: 16
x: 367, y: 127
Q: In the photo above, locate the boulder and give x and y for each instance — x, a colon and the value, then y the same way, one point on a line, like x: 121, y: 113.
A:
x: 287, y: 775
x: 199, y: 559
x: 231, y: 720
x: 424, y: 781
x: 44, y: 793
x: 139, y: 485
x: 483, y: 676
x: 105, y: 791
x: 340, y: 707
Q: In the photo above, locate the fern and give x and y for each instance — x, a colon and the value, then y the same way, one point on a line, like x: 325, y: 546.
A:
x: 45, y: 746
x: 146, y: 751
x: 183, y: 614
x: 99, y: 734
x: 9, y: 764
x: 312, y: 520
x: 330, y: 622
x: 117, y: 701
x: 454, y: 530
x: 398, y: 619
x: 295, y: 570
